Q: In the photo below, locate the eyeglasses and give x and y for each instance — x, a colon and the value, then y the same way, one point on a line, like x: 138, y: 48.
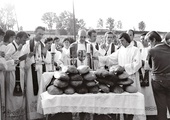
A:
x: 82, y: 36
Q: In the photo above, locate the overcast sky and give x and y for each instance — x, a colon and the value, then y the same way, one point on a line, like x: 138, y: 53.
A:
x: 155, y: 13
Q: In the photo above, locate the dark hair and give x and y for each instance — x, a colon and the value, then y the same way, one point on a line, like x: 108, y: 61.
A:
x: 109, y: 32
x: 28, y: 35
x: 8, y: 34
x: 21, y: 34
x: 49, y: 39
x: 40, y: 27
x: 2, y: 32
x: 67, y: 39
x: 132, y: 31
x: 154, y: 35
x: 89, y: 33
x: 143, y: 34
x: 125, y: 36
x: 56, y: 38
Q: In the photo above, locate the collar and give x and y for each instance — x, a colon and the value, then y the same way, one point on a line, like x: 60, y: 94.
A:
x: 15, y: 43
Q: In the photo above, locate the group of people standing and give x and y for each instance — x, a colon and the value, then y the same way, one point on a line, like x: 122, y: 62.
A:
x: 23, y: 60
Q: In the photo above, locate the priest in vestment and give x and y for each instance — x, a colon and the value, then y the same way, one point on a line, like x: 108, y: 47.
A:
x: 126, y: 56
x: 15, y: 99
x: 92, y: 35
x: 78, y: 50
x: 33, y: 69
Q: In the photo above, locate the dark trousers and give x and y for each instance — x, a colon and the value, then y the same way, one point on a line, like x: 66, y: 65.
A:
x: 161, y: 91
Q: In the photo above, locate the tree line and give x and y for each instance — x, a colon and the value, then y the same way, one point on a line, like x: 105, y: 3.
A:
x: 63, y: 23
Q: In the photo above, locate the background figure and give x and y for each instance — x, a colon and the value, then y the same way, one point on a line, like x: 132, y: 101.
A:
x: 65, y: 59
x: 2, y: 33
x: 2, y: 69
x: 8, y: 38
x: 92, y: 35
x: 58, y: 44
x: 47, y: 56
x: 158, y: 58
x: 134, y: 42
x: 108, y: 47
x: 145, y: 78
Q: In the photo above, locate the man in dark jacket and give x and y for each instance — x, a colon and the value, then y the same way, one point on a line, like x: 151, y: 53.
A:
x: 159, y: 57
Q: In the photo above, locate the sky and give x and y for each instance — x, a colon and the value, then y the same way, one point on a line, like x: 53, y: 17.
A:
x: 155, y: 13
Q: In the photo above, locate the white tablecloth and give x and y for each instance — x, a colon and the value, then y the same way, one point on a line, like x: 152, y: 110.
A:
x: 101, y: 103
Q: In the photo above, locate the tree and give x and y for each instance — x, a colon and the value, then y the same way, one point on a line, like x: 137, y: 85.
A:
x: 141, y: 26
x: 110, y: 23
x: 49, y: 19
x: 65, y: 21
x: 7, y: 17
x: 119, y: 24
x: 100, y: 23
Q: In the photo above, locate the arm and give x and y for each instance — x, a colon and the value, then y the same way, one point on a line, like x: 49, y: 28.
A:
x: 108, y: 60
x: 149, y: 59
x: 135, y: 64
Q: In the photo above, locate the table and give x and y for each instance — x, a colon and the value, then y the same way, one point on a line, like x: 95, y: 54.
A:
x: 101, y: 103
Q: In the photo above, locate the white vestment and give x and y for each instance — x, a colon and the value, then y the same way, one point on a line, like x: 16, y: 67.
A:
x: 95, y: 53
x: 65, y: 59
x: 47, y: 60
x: 129, y: 58
x: 15, y: 105
x: 31, y: 98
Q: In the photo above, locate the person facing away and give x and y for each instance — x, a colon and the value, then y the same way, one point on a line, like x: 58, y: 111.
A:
x: 133, y: 41
x: 34, y: 67
x: 158, y: 58
x: 15, y: 98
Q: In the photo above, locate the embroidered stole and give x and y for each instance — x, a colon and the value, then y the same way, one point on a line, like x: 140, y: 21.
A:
x: 34, y: 72
x: 17, y: 89
x: 73, y: 54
